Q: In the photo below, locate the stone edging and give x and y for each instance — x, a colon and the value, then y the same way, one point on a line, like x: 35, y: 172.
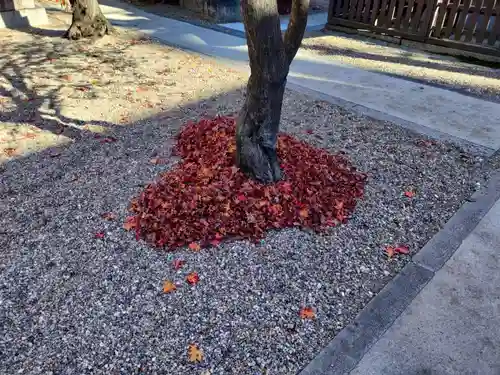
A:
x: 344, y: 352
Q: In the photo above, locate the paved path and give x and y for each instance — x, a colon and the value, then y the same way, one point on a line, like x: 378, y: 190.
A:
x: 432, y: 110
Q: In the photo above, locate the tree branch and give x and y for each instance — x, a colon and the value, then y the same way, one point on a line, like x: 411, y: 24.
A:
x: 296, y: 28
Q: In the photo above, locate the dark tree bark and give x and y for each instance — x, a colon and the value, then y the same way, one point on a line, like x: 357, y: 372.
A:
x: 88, y: 20
x: 270, y: 55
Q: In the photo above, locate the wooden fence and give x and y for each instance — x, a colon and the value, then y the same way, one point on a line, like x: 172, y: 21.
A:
x: 472, y: 25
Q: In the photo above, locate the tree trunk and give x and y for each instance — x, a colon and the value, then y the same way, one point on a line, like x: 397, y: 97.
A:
x: 270, y: 57
x: 88, y: 20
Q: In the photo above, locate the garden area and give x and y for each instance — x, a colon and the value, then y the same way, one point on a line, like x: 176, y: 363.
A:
x: 132, y: 243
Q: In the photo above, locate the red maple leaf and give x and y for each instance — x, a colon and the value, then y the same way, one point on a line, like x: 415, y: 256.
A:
x: 192, y: 278
x: 402, y: 249
x: 307, y: 312
x: 178, y: 263
x: 99, y: 235
x: 130, y: 223
x: 410, y: 194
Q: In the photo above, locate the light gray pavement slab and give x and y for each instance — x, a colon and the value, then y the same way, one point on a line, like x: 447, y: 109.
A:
x: 432, y: 110
x: 453, y: 325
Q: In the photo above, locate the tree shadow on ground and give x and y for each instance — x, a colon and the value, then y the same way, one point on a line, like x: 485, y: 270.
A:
x: 37, y: 101
x: 402, y: 58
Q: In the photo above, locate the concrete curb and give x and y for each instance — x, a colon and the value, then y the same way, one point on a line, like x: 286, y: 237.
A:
x: 345, y: 351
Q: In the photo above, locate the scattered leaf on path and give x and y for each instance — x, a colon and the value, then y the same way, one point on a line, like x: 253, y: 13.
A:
x: 99, y: 235
x: 192, y: 278
x: 390, y: 251
x: 410, y: 194
x: 195, y: 354
x: 307, y: 313
x: 168, y: 286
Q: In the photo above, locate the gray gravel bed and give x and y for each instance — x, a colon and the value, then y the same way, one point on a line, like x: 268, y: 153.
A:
x: 74, y: 304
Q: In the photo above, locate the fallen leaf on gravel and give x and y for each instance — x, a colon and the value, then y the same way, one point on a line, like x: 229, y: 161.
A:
x: 402, y: 249
x: 168, y: 286
x: 83, y: 88
x: 30, y: 135
x: 108, y: 216
x: 141, y: 89
x: 66, y: 77
x: 10, y: 151
x: 195, y: 246
x: 99, y: 235
x: 178, y: 263
x: 130, y: 223
x: 391, y: 251
x: 108, y: 140
x: 410, y: 194
x: 307, y: 313
x: 195, y: 354
x: 155, y: 161
x: 192, y: 278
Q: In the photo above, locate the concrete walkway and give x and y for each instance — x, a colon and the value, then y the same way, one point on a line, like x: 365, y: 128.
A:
x: 434, y: 111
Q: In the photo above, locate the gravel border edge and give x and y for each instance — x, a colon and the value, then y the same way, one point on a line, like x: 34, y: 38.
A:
x: 344, y: 352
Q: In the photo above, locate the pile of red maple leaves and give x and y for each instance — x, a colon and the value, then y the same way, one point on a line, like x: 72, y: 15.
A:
x: 206, y: 198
